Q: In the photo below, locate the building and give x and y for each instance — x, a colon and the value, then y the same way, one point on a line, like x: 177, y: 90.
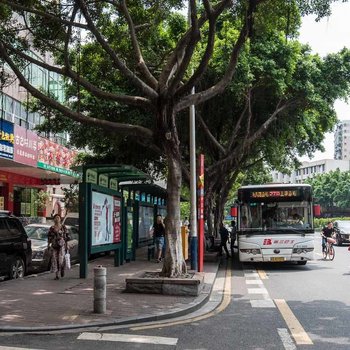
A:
x: 310, y: 169
x: 30, y: 162
x: 342, y: 140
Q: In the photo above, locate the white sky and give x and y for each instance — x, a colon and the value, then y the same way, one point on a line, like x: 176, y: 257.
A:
x: 326, y: 36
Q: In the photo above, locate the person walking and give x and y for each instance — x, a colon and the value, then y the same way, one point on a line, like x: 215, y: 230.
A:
x: 159, y: 237
x: 224, y: 234
x: 57, y: 245
x: 233, y: 235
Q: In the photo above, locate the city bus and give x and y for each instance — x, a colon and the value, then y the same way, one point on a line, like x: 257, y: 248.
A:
x: 275, y: 223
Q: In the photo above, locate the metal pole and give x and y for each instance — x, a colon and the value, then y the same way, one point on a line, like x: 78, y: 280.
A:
x: 193, y: 178
x: 193, y: 189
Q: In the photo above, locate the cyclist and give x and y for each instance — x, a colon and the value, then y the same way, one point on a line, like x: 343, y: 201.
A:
x: 327, y: 232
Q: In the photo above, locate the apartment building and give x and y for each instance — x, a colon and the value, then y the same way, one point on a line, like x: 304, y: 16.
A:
x: 342, y: 140
x: 310, y: 169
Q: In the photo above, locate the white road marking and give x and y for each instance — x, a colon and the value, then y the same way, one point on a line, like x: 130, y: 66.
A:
x: 257, y: 291
x: 266, y: 303
x: 14, y: 348
x: 254, y: 282
x: 127, y: 338
x: 286, y: 339
x: 251, y: 275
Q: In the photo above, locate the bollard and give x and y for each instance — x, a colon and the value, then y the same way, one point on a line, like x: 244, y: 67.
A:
x: 100, y: 274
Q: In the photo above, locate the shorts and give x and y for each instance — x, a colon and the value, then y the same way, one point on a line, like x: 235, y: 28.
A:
x: 159, y: 242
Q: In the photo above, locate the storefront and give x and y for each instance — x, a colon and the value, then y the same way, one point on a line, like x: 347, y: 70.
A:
x: 28, y: 164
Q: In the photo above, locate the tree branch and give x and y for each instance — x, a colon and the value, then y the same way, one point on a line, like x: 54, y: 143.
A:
x: 151, y: 80
x: 128, y: 74
x: 210, y: 136
x: 188, y: 51
x: 121, y: 128
x: 186, y: 88
x: 30, y: 9
x: 238, y: 124
x: 195, y: 99
x: 129, y: 100
x: 178, y: 52
x: 280, y: 107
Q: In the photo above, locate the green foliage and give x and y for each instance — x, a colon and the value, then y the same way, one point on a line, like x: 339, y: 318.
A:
x: 332, y: 189
x: 71, y: 198
x: 41, y: 199
x: 321, y: 222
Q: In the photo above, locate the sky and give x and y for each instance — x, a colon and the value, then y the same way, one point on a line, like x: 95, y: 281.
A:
x: 326, y: 36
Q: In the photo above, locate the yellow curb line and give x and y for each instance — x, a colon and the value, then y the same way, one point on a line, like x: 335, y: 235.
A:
x: 262, y: 274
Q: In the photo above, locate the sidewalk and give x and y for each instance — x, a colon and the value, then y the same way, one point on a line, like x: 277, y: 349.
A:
x: 38, y: 302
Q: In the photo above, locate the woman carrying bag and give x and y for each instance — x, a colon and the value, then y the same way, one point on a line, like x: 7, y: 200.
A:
x: 57, y: 244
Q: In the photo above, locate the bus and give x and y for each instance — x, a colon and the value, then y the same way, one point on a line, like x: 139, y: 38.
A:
x: 275, y: 223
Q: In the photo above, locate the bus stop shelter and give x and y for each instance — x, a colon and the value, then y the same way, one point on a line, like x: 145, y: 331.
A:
x: 115, y: 213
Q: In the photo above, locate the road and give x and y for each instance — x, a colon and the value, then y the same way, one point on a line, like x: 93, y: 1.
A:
x: 265, y: 307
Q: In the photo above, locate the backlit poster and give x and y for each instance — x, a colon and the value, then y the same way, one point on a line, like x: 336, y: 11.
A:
x: 105, y: 219
x: 146, y: 220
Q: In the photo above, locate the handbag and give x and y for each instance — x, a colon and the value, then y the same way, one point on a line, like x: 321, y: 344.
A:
x: 67, y: 260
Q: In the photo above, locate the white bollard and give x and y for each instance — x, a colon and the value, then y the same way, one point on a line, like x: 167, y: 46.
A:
x: 100, y: 274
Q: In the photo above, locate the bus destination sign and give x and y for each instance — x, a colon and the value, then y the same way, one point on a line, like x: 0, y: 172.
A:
x: 275, y: 194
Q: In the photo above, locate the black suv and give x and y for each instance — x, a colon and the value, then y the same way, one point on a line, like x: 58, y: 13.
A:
x: 15, y: 247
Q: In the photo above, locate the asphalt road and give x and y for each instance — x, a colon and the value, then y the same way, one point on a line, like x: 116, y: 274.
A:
x: 274, y: 306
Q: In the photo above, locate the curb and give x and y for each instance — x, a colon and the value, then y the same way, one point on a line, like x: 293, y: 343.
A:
x: 194, y: 306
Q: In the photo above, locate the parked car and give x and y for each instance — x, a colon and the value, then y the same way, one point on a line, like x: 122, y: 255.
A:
x: 41, y: 259
x: 15, y: 247
x: 342, y: 231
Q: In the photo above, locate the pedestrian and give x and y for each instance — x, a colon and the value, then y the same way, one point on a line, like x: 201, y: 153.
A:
x: 327, y: 232
x: 186, y: 222
x: 233, y: 235
x: 57, y: 245
x: 224, y: 234
x: 159, y: 237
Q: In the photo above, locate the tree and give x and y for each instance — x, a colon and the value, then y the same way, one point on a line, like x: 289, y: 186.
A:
x: 159, y: 76
x: 332, y: 189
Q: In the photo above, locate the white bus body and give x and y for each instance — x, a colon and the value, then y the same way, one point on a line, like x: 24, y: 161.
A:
x: 275, y: 223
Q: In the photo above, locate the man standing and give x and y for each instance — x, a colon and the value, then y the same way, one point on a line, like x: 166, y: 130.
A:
x: 224, y: 234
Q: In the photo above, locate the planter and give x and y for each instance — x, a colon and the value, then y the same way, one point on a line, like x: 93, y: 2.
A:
x: 151, y: 283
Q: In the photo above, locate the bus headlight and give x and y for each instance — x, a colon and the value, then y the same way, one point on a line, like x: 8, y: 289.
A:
x: 253, y: 251
x: 302, y: 250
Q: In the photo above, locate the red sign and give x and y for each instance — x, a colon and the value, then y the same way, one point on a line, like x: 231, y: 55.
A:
x: 55, y: 155
x: 116, y: 220
x: 201, y: 213
x: 25, y: 146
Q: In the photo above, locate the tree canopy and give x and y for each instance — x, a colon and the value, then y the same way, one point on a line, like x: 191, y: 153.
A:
x: 332, y: 189
x: 148, y: 62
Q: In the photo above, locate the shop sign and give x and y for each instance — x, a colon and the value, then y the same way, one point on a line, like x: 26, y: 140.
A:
x: 3, y: 178
x: 7, y: 139
x: 26, y: 146
x: 56, y: 158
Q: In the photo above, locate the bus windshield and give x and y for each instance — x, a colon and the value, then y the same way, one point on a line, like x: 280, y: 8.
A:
x: 281, y: 216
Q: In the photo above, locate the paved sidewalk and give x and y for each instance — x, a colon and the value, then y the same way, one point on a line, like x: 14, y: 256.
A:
x: 39, y: 302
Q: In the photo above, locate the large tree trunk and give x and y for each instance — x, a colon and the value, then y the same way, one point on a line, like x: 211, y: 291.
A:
x: 174, y: 263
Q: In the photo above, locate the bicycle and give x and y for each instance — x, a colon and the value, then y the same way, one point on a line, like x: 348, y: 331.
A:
x: 328, y: 250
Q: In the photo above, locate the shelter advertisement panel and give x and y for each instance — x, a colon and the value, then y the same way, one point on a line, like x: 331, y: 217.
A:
x: 105, y: 219
x: 146, y: 220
